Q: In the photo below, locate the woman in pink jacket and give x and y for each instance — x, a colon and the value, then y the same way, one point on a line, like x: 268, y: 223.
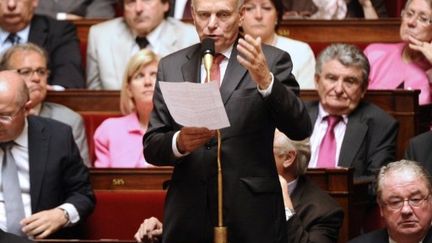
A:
x: 118, y: 141
x: 406, y: 65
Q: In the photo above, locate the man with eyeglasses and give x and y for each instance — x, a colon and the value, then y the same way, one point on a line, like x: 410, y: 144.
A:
x: 30, y: 61
x: 348, y: 132
x: 404, y: 197
x: 19, y: 24
x: 52, y: 187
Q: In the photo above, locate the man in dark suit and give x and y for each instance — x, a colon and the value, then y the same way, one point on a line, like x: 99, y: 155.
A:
x: 6, y: 237
x: 365, y: 135
x: 53, y: 181
x: 311, y: 214
x: 58, y: 38
x: 419, y: 149
x: 257, y: 94
x: 404, y: 197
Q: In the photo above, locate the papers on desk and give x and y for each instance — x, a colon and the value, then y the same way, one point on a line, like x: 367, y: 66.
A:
x: 195, y: 104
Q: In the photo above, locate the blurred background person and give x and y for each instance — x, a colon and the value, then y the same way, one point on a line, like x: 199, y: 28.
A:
x: 30, y: 61
x: 19, y: 24
x: 334, y: 9
x: 261, y: 18
x: 145, y: 24
x: 419, y: 149
x: 408, y: 64
x: 118, y: 141
x: 76, y: 9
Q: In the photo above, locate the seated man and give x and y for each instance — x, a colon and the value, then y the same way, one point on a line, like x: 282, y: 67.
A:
x: 19, y: 24
x: 30, y: 61
x: 348, y: 132
x: 419, y: 150
x: 312, y: 215
x: 404, y: 198
x: 45, y: 187
x: 144, y: 25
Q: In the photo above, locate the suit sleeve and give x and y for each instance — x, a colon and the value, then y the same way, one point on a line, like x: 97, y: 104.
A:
x: 65, y: 57
x: 93, y: 75
x: 76, y: 181
x: 324, y: 230
x: 287, y: 110
x: 78, y: 130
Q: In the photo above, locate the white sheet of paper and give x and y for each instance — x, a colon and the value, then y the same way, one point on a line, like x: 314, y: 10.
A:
x: 194, y: 104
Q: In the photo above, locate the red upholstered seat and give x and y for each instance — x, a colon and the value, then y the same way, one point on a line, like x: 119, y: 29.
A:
x: 118, y: 214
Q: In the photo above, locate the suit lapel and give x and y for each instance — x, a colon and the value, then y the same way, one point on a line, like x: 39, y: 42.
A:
x: 236, y: 72
x: 297, y: 194
x: 191, y: 69
x: 38, y: 142
x: 354, y: 136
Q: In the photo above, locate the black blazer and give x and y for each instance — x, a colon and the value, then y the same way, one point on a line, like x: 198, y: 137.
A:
x: 369, y: 141
x: 60, y: 40
x: 254, y: 210
x: 381, y: 236
x: 318, y: 216
x: 57, y: 172
x: 6, y: 237
x: 419, y: 149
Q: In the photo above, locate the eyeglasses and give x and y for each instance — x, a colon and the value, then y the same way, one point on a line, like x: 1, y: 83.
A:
x: 28, y: 72
x: 9, y: 118
x: 413, y: 202
x: 421, y: 19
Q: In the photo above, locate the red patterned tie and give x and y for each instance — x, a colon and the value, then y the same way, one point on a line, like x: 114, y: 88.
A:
x: 327, y: 151
x: 215, y: 69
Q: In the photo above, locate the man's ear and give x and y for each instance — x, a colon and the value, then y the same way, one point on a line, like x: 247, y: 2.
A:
x: 289, y: 158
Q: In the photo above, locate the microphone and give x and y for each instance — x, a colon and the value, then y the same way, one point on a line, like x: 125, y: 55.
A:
x: 207, y: 51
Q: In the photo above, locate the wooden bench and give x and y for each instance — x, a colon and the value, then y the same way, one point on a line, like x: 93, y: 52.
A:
x: 339, y: 183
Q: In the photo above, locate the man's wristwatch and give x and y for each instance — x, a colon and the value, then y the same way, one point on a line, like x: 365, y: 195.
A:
x: 66, y: 215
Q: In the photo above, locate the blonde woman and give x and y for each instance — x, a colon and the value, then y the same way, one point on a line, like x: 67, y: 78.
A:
x: 118, y: 141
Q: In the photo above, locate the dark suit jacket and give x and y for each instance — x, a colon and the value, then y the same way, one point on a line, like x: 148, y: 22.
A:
x: 370, y: 138
x: 60, y: 40
x: 419, y: 149
x: 253, y: 204
x: 318, y: 216
x: 11, y: 238
x: 57, y: 173
x: 381, y: 236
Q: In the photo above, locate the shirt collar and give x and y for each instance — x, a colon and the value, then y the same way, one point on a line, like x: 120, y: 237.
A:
x: 135, y: 126
x: 292, y: 185
x: 322, y: 114
x: 22, y: 139
x: 23, y: 34
x: 154, y: 36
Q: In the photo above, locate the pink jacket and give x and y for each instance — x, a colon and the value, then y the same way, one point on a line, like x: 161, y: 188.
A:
x: 118, y: 143
x: 389, y: 71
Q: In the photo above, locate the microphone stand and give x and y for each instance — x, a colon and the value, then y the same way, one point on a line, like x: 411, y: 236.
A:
x: 220, y: 231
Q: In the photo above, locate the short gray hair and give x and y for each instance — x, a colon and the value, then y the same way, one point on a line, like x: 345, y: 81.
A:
x: 302, y: 147
x: 347, y: 54
x: 402, y: 165
x: 239, y: 3
x: 7, y: 55
x: 408, y: 2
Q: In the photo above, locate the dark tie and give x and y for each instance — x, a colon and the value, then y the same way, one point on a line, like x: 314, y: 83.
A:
x: 327, y: 150
x: 215, y: 68
x: 11, y: 191
x: 142, y: 42
x: 187, y: 12
x: 13, y: 38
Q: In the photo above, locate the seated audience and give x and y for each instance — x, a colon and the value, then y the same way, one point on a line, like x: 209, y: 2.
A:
x: 261, y: 18
x: 312, y: 215
x: 45, y: 187
x: 408, y: 64
x: 30, y: 61
x: 404, y: 198
x: 19, y: 24
x: 76, y: 9
x: 334, y: 9
x: 118, y: 141
x: 419, y: 149
x: 144, y: 25
x: 348, y: 132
